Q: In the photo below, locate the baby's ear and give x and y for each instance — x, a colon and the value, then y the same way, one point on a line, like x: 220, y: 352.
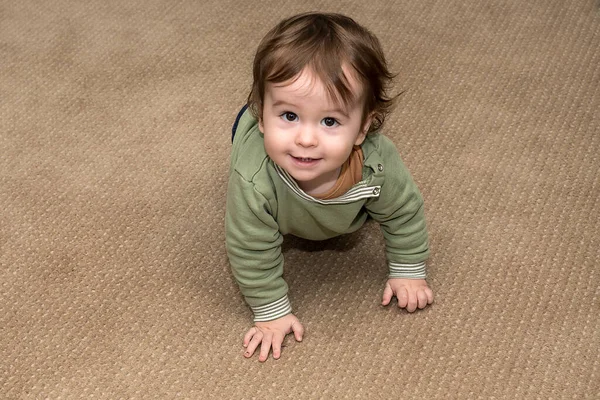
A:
x: 361, y: 137
x: 260, y: 125
x: 364, y: 129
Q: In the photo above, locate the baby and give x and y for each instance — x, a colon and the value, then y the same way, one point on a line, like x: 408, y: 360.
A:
x: 308, y: 159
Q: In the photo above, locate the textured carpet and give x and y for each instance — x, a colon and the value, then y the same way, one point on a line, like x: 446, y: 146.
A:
x: 114, y: 142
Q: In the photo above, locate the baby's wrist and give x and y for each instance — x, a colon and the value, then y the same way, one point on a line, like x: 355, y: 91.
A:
x: 272, y: 311
x: 407, y: 270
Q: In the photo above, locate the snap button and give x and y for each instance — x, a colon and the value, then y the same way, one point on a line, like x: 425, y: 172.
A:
x: 376, y: 191
x: 380, y: 167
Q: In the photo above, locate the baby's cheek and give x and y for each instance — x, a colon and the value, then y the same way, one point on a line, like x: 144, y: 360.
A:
x: 342, y: 151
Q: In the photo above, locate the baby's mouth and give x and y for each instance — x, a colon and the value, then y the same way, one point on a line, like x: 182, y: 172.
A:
x: 305, y: 160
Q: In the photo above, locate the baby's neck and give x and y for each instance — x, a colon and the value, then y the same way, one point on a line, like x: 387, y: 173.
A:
x: 322, y: 184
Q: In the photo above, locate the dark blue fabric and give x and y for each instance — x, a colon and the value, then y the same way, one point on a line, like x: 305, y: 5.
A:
x: 237, y: 120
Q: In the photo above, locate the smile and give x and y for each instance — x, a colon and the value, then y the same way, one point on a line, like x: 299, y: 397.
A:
x: 306, y: 161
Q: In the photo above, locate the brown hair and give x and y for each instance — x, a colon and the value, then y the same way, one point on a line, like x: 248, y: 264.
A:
x: 324, y: 42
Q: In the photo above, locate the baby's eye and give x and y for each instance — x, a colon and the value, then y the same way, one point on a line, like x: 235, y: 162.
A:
x: 329, y: 122
x: 289, y: 116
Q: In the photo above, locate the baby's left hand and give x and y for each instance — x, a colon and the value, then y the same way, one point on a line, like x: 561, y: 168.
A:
x: 411, y: 293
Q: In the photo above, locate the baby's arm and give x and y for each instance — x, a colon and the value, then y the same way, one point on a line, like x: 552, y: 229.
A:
x: 411, y: 293
x: 271, y: 334
x: 253, y: 244
x: 400, y: 213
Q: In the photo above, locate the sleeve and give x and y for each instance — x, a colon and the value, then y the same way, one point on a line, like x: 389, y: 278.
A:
x: 399, y: 211
x: 253, y: 243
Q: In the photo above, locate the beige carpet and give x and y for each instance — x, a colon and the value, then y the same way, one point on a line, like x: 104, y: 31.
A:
x: 115, y: 119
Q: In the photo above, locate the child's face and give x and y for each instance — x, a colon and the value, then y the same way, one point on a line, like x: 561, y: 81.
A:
x: 307, y: 134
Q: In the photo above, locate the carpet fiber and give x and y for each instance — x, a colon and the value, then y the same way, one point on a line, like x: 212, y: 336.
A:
x: 115, y: 122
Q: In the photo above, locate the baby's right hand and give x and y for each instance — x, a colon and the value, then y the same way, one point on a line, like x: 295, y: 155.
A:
x: 271, y: 334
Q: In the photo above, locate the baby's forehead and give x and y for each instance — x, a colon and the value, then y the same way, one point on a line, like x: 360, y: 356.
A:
x: 304, y: 84
x: 309, y: 83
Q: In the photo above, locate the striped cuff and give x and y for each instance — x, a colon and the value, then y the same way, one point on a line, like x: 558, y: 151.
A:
x: 271, y: 311
x: 407, y: 271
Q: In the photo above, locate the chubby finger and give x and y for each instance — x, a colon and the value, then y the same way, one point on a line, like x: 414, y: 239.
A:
x: 402, y: 296
x: 422, y: 300
x: 249, y: 335
x: 429, y: 294
x: 265, y: 347
x: 388, y: 293
x: 412, y: 303
x: 276, y: 344
x: 253, y: 343
x: 298, y: 330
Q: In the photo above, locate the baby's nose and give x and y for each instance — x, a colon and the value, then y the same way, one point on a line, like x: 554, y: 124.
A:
x: 306, y: 137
